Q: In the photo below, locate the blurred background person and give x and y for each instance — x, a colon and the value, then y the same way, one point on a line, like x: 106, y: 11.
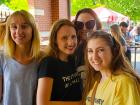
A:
x: 137, y: 35
x: 118, y: 35
x: 127, y: 37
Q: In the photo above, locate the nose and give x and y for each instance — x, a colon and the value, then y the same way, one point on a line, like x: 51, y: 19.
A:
x: 71, y: 41
x: 84, y: 28
x: 95, y: 55
x: 19, y: 30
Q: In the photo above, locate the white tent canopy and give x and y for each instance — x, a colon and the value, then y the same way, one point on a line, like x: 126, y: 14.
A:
x: 108, y: 15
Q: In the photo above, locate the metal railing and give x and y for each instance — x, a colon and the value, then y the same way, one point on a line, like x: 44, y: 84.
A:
x: 3, y: 15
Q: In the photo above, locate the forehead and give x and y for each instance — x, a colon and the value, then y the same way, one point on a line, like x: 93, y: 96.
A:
x: 17, y: 19
x: 97, y: 42
x: 66, y: 30
x: 85, y: 17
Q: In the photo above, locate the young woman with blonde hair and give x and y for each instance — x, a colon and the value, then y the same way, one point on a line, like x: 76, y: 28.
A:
x: 19, y: 62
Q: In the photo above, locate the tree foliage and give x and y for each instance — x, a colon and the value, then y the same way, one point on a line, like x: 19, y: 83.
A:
x: 79, y: 4
x: 15, y: 4
x: 130, y: 8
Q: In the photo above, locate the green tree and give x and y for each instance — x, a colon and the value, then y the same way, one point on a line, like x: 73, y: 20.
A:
x: 15, y: 4
x: 79, y: 4
x: 129, y: 8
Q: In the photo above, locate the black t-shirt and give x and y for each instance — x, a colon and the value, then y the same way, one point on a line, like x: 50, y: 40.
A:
x: 79, y: 53
x: 66, y: 81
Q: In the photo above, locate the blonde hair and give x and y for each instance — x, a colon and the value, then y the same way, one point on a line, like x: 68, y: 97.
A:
x: 2, y: 33
x: 10, y: 44
x: 116, y: 32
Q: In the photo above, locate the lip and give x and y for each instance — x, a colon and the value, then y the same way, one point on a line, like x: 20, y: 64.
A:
x: 72, y: 48
x: 96, y: 62
x: 19, y: 38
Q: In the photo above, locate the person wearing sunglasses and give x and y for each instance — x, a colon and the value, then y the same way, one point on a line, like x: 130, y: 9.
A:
x: 86, y: 20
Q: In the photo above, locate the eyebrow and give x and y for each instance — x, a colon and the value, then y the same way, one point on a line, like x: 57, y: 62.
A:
x: 21, y: 23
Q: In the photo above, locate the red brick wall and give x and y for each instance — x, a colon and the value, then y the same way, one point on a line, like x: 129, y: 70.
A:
x: 63, y: 9
x: 43, y: 21
x: 55, y: 10
x: 48, y: 11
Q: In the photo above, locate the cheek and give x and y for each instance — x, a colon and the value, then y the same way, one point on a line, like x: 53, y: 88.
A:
x: 30, y: 33
x: 108, y: 59
x: 12, y: 33
x: 89, y: 57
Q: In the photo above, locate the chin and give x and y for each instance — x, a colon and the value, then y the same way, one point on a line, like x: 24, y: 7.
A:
x: 97, y: 69
x: 70, y: 53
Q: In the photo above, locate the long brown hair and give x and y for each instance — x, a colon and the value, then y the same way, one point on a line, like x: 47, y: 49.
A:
x: 53, y: 47
x: 90, y: 11
x: 116, y: 31
x: 2, y: 32
x: 119, y: 62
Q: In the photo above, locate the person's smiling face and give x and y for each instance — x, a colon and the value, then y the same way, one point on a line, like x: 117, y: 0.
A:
x: 99, y: 54
x: 84, y: 18
x: 21, y: 32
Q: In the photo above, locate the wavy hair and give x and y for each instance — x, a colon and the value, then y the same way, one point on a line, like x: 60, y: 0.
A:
x: 119, y: 61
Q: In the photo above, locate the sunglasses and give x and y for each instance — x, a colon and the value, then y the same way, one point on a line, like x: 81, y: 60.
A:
x: 89, y: 24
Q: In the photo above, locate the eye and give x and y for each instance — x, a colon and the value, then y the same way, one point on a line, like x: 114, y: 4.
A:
x: 13, y: 26
x: 101, y: 50
x: 24, y: 26
x: 64, y: 38
x: 90, y: 51
x: 74, y: 37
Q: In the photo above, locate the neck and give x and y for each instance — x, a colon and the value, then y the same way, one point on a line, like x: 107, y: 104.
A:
x: 23, y: 55
x: 105, y: 74
x: 63, y: 57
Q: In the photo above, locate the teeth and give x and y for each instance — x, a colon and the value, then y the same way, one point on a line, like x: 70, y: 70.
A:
x: 20, y: 37
x: 96, y: 63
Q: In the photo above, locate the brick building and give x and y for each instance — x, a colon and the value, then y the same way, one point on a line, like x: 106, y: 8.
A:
x: 48, y: 11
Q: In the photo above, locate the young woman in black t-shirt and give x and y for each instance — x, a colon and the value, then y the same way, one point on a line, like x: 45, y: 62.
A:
x: 58, y: 81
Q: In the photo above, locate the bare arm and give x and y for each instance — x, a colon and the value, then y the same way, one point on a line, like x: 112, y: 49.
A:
x: 0, y: 88
x: 44, y: 93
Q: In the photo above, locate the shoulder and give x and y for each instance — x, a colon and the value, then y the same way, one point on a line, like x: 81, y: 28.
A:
x: 126, y: 81
x: 124, y: 77
x: 48, y: 59
x: 127, y: 90
x: 47, y: 67
x: 3, y: 57
x: 47, y: 62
